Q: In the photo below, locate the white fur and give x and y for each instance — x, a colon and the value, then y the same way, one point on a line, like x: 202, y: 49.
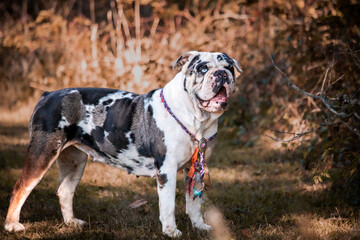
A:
x: 71, y: 163
x: 179, y: 149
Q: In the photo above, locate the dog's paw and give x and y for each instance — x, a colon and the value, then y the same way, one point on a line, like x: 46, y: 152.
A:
x: 203, y: 226
x: 14, y: 227
x: 75, y: 222
x: 173, y: 233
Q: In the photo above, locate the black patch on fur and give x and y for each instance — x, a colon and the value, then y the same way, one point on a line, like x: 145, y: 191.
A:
x: 135, y: 161
x: 128, y: 168
x: 150, y: 166
x: 231, y: 69
x: 118, y: 122
x: 75, y: 133
x: 98, y: 134
x: 227, y: 58
x: 92, y: 95
x: 197, y: 57
x: 231, y: 64
x: 107, y: 102
x: 89, y: 140
x: 201, y: 65
x: 132, y: 137
x: 150, y: 111
x: 48, y: 112
x: 150, y: 94
x: 144, y: 151
x: 162, y: 179
x: 159, y: 155
x: 185, y: 85
x: 72, y: 131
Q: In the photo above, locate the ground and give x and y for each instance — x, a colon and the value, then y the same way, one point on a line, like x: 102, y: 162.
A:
x: 257, y: 193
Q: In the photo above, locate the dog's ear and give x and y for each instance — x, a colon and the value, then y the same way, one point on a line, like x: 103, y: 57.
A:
x: 183, y: 59
x: 232, y: 61
x: 236, y: 65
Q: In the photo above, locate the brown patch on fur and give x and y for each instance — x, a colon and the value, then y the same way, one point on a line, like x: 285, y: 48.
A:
x: 72, y: 108
x: 99, y: 115
x: 162, y: 179
x: 25, y: 180
x: 43, y: 150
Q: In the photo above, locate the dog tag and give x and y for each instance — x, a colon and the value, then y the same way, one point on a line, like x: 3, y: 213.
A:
x: 205, y: 176
x: 202, y: 146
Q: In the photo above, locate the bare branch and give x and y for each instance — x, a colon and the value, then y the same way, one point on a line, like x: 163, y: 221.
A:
x: 324, y: 80
x: 354, y: 130
x: 340, y: 114
x: 290, y: 83
x: 296, y: 136
x: 320, y: 96
x: 299, y: 135
x: 357, y: 116
x: 331, y: 84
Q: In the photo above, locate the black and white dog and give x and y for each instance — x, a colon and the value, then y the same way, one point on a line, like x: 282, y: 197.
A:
x: 129, y: 131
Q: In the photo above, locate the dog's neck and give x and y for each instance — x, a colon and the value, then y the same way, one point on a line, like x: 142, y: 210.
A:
x: 187, y: 111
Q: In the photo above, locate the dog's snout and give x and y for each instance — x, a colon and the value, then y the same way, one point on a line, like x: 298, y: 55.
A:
x: 221, y: 76
x: 223, y: 105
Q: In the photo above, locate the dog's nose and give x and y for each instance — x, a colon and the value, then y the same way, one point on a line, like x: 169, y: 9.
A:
x: 223, y: 105
x: 221, y: 76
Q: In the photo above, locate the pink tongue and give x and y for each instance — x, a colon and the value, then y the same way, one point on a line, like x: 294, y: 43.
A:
x: 220, y: 96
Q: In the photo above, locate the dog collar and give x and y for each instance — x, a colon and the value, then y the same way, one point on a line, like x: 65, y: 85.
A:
x: 192, y: 136
x: 198, y: 177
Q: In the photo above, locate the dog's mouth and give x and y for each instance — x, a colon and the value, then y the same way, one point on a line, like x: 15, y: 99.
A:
x: 219, y: 98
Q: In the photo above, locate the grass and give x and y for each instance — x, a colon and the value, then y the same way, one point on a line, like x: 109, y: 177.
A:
x: 257, y: 193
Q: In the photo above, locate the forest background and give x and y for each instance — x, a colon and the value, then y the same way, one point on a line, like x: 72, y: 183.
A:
x: 288, y: 145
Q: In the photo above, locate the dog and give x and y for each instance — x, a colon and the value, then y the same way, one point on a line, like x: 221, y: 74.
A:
x: 154, y: 134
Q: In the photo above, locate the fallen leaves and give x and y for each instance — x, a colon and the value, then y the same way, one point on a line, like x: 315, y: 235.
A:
x: 138, y: 203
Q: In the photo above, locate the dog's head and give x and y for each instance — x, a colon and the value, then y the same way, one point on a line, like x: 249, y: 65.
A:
x: 209, y: 78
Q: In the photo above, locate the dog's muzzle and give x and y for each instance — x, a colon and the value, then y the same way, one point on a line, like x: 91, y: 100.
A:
x: 219, y: 98
x: 222, y: 78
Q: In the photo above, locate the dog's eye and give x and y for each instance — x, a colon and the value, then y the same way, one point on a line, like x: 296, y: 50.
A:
x: 203, y: 69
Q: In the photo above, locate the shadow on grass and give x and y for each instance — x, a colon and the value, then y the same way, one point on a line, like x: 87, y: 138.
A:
x: 109, y: 217
x: 265, y: 200
x: 256, y: 204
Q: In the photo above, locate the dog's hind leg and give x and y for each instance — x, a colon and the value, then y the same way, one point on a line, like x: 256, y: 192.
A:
x: 71, y: 164
x: 42, y: 152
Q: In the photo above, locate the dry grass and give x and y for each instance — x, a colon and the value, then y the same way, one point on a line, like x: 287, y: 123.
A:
x: 257, y: 193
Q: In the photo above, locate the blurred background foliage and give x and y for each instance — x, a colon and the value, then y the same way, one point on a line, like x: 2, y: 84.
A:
x: 47, y: 45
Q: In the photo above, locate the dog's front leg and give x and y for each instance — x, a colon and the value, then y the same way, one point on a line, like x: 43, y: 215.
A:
x: 193, y: 209
x: 166, y: 187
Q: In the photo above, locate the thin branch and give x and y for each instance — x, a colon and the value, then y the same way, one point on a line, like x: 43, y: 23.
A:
x: 296, y: 136
x: 357, y: 116
x: 331, y: 84
x: 354, y: 130
x: 355, y: 93
x: 299, y: 135
x: 324, y: 80
x: 287, y: 140
x: 318, y: 96
x: 290, y: 83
